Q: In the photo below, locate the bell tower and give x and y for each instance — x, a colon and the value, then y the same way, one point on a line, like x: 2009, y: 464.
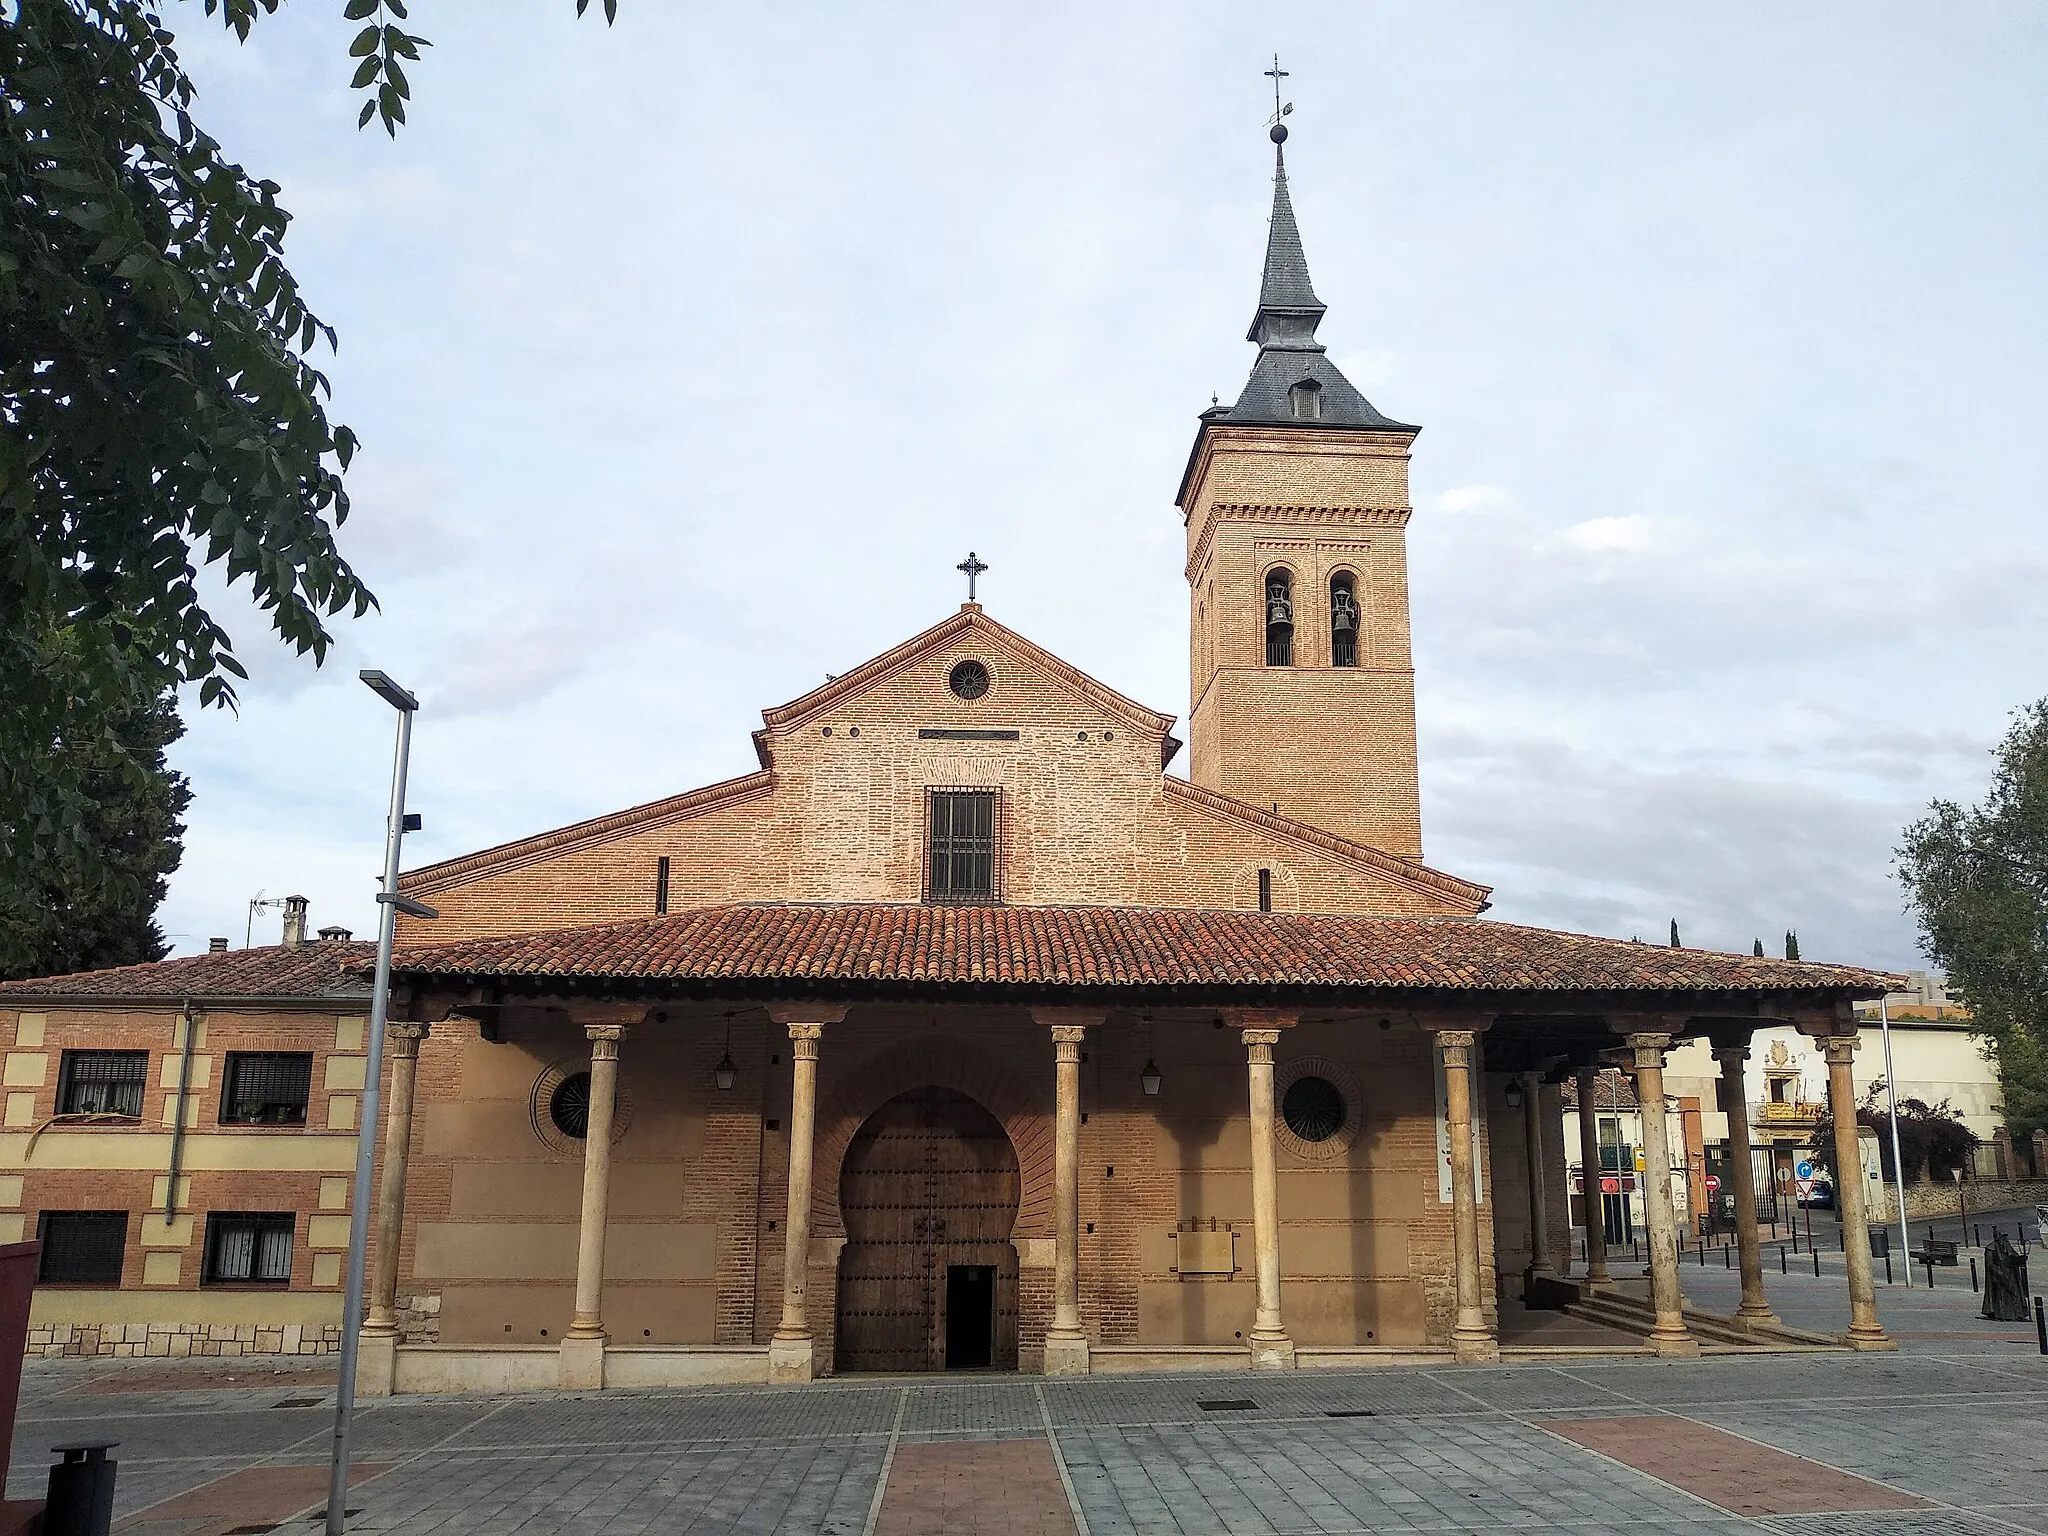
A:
x: 1296, y: 502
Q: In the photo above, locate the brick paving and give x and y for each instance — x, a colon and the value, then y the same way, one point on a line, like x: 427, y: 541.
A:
x: 1336, y: 1453
x: 1742, y: 1477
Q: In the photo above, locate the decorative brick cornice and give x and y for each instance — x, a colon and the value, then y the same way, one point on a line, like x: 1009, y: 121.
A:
x: 1297, y: 516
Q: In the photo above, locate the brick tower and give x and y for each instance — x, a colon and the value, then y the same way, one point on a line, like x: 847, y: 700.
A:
x: 1296, y: 501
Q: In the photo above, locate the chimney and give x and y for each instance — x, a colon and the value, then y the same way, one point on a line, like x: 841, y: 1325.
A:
x: 216, y: 946
x: 294, y: 921
x: 335, y: 935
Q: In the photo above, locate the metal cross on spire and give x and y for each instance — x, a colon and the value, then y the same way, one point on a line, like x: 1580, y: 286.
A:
x: 972, y: 566
x: 1276, y: 74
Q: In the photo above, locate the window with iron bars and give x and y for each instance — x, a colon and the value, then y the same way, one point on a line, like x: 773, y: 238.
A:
x: 102, y: 1083
x: 249, y: 1248
x: 81, y: 1247
x: 266, y: 1088
x: 961, y: 862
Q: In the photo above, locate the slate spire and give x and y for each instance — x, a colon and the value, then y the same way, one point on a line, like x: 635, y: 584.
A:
x: 1293, y: 379
x: 1288, y: 306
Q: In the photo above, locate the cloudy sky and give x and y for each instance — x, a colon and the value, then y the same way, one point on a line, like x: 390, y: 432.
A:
x: 690, y: 355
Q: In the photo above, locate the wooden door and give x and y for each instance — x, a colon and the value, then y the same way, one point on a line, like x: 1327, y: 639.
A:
x: 930, y: 1181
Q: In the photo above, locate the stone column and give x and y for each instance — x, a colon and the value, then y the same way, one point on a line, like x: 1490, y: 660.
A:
x: 582, y: 1363
x: 1066, y: 1343
x: 792, y: 1352
x: 1669, y: 1337
x: 1588, y: 1077
x: 377, y: 1350
x: 1540, y: 1265
x: 1471, y: 1339
x: 1865, y: 1332
x: 1755, y: 1311
x: 1272, y: 1350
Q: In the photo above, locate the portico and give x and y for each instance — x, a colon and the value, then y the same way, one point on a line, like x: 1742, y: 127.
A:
x: 1014, y: 1170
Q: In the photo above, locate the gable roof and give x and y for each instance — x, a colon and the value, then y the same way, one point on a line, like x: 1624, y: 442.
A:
x: 324, y: 970
x: 861, y: 947
x: 1404, y: 872
x: 969, y: 620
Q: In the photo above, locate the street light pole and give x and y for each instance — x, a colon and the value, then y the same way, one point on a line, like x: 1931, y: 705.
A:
x: 389, y: 905
x: 1884, y: 1019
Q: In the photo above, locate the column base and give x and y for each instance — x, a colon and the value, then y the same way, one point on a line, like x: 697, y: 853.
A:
x: 376, y: 1363
x: 1676, y: 1344
x: 1474, y: 1346
x: 1760, y: 1317
x: 1874, y: 1341
x: 791, y: 1361
x: 1272, y: 1352
x: 581, y: 1367
x: 1066, y: 1355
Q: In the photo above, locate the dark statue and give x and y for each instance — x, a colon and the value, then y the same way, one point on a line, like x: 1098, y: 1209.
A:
x: 2005, y: 1281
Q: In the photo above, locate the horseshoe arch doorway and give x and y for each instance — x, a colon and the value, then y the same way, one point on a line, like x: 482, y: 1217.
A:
x: 928, y: 1278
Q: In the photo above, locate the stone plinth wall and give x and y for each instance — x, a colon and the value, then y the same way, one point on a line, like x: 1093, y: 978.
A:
x: 177, y: 1340
x: 1924, y: 1201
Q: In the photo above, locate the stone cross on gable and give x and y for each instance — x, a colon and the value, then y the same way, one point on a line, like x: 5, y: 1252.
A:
x: 972, y: 566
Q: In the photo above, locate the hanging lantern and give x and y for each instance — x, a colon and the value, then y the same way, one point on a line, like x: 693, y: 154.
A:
x: 725, y: 1074
x: 1149, y: 1078
x: 1514, y: 1093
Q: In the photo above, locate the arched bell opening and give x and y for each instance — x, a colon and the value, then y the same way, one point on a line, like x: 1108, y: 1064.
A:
x: 1279, y: 617
x: 928, y: 1191
x: 1343, y: 620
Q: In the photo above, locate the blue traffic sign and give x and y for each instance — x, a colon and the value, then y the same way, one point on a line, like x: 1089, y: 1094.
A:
x: 1803, y: 1171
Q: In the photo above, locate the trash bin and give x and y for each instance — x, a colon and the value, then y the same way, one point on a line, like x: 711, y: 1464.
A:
x: 1880, y: 1242
x: 81, y: 1499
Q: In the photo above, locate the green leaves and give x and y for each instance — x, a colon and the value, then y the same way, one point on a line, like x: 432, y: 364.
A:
x: 1977, y: 879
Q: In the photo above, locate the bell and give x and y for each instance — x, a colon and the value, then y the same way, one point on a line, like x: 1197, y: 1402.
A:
x: 1344, y: 618
x: 1279, y: 610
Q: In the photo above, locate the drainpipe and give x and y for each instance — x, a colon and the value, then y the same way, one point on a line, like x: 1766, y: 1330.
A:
x: 178, y: 1125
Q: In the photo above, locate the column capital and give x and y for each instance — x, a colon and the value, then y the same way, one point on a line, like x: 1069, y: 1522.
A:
x: 804, y: 1038
x: 1649, y: 1047
x: 604, y: 1040
x: 1839, y: 1050
x: 402, y: 1037
x: 1069, y: 1034
x: 1455, y: 1045
x: 1736, y: 1054
x: 791, y: 1014
x: 1259, y: 1043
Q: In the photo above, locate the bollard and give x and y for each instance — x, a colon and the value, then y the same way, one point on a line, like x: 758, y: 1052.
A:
x: 81, y: 1495
x: 1816, y: 1264
x: 1930, y: 1274
x: 1726, y: 1263
x: 1973, y: 1276
x: 1842, y: 1239
x: 1887, y: 1266
x: 2040, y: 1333
x: 1781, y: 1259
x: 1795, y: 1239
x: 1976, y: 1236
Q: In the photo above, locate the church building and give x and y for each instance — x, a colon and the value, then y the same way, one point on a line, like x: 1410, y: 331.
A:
x: 964, y: 1034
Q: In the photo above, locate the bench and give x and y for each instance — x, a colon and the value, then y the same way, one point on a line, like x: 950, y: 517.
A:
x: 1935, y: 1251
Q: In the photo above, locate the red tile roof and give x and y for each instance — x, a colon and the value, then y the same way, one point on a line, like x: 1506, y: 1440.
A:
x: 1060, y: 947
x: 324, y: 968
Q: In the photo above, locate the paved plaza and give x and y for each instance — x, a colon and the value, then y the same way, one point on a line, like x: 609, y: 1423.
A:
x: 1950, y: 1436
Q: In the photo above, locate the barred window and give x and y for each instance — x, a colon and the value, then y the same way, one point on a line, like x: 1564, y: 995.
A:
x: 962, y: 865
x: 1343, y: 620
x: 249, y: 1248
x: 81, y: 1247
x: 266, y: 1087
x: 102, y: 1083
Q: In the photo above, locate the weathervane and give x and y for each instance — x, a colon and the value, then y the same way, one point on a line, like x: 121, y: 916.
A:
x: 1276, y: 74
x: 972, y: 566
